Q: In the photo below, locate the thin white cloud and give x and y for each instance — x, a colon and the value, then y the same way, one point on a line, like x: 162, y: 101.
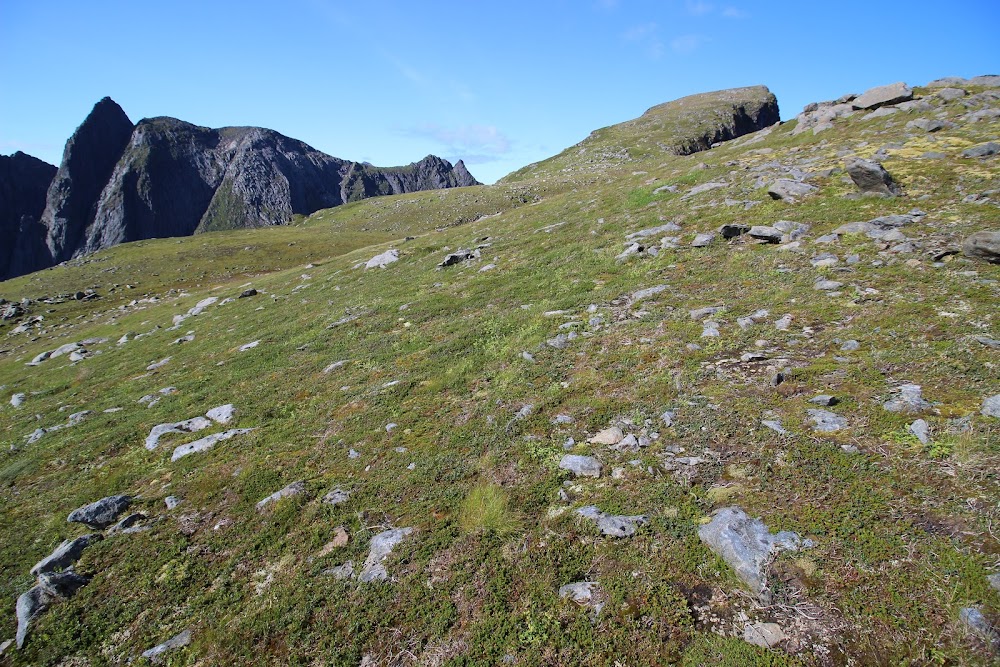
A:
x: 480, y: 142
x: 639, y: 32
x: 698, y: 7
x: 734, y: 13
x: 685, y: 44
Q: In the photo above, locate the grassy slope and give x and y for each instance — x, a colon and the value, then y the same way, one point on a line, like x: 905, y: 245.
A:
x: 902, y: 530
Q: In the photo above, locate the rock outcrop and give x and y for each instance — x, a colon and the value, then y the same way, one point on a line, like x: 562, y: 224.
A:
x: 24, y: 182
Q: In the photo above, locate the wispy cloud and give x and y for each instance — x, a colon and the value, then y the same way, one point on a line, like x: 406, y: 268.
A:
x: 685, y: 44
x: 734, y: 13
x: 647, y: 35
x: 476, y: 144
x: 698, y: 7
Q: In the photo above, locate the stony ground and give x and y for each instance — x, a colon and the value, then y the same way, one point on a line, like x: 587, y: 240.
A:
x: 561, y: 420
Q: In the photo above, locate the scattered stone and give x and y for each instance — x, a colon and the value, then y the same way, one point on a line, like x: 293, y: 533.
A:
x: 702, y: 240
x: 909, y: 401
x: 826, y: 400
x: 609, y: 436
x: 248, y: 346
x: 983, y: 245
x: 827, y: 285
x: 581, y: 591
x: 733, y: 231
x: 65, y: 554
x: 149, y: 400
x: 871, y: 177
x: 353, y: 453
x: 378, y: 551
x: 155, y: 654
x: 459, y: 256
x: 994, y: 580
x: 222, y: 414
x: 613, y: 525
x: 562, y: 419
x: 172, y: 501
x: 643, y: 294
x: 920, y: 430
x: 652, y: 231
x: 51, y: 586
x: 245, y: 294
x: 581, y: 466
x: 783, y: 323
x: 765, y: 635
x: 158, y: 364
x: 336, y: 497
x: 102, y: 513
x: 850, y: 346
x: 991, y: 407
x: 874, y: 98
x: 982, y: 150
x: 788, y: 190
x: 128, y: 525
x: 765, y: 233
x: 187, y: 426
x: 702, y: 313
x: 704, y: 187
x: 826, y: 421
x: 972, y: 618
x: 188, y: 338
x: 747, y: 545
x: 668, y: 418
x: 335, y: 365
x: 383, y: 260
x: 17, y: 400
x: 710, y: 329
x: 775, y: 426
x: 207, y: 443
x: 293, y: 489
x: 345, y: 571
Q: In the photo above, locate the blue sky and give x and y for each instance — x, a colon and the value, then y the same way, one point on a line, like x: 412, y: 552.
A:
x: 500, y: 84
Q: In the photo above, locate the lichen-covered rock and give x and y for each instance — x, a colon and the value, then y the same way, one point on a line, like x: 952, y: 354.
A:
x: 293, y: 489
x: 378, y: 551
x: 155, y: 654
x: 613, y: 525
x: 65, y: 554
x: 581, y: 466
x: 101, y: 513
x: 51, y: 586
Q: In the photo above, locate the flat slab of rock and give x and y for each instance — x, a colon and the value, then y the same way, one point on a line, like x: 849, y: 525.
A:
x: 378, y: 551
x: 613, y: 525
x: 983, y: 245
x: 52, y: 586
x: 788, y: 190
x: 982, y: 150
x: 609, y: 436
x: 336, y: 497
x: 894, y: 93
x: 581, y: 466
x: 766, y: 233
x: 102, y: 513
x: 222, y: 414
x: 155, y: 654
x: 766, y: 635
x: 825, y: 421
x: 747, y: 545
x: 187, y: 426
x: 293, y: 489
x: 65, y: 554
x: 207, y: 443
x: 702, y: 240
x: 383, y: 260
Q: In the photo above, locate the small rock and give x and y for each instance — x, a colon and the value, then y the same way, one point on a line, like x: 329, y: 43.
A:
x: 459, y: 256
x: 155, y: 654
x: 825, y: 400
x: 609, y: 436
x: 613, y: 525
x: 734, y: 230
x: 827, y: 285
x: 766, y: 233
x: 702, y: 240
x: 247, y: 293
x: 207, y: 443
x: 983, y: 245
x: 920, y: 430
x: 17, y: 400
x: 775, y: 426
x: 991, y: 407
x: 826, y: 421
x: 171, y: 502
x: 293, y: 489
x: 222, y: 414
x: 909, y: 401
x: 983, y: 150
x: 702, y: 313
x: 248, y: 346
x: 378, y: 551
x: 788, y: 190
x: 850, y: 346
x: 874, y: 98
x: 158, y: 364
x: 383, y: 260
x: 766, y: 635
x: 65, y: 554
x: 972, y: 618
x: 51, y: 586
x: 581, y: 466
x: 345, y: 571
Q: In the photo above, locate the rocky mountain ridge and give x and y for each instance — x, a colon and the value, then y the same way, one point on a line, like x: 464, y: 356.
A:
x: 163, y: 177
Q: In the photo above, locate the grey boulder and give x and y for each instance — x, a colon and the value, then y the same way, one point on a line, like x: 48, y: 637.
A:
x: 293, y: 489
x: 871, y: 177
x: 102, y: 513
x: 747, y: 545
x: 983, y: 245
x: 383, y: 260
x: 909, y: 401
x: 155, y: 654
x: 874, y: 98
x: 825, y: 421
x: 788, y: 190
x: 982, y: 150
x: 766, y: 233
x: 581, y: 466
x: 991, y: 407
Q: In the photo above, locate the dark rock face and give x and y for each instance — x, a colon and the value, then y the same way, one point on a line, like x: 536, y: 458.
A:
x: 751, y: 109
x: 164, y: 177
x: 88, y: 160
x: 24, y: 182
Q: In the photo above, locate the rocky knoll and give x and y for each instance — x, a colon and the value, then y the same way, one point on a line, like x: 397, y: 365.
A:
x: 24, y: 180
x: 162, y: 177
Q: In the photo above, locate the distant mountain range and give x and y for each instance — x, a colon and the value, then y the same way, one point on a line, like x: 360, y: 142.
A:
x: 162, y: 177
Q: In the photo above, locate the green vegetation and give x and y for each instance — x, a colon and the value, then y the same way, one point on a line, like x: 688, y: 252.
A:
x: 904, y: 533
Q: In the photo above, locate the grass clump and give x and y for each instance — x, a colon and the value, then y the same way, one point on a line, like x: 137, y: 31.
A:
x: 487, y: 509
